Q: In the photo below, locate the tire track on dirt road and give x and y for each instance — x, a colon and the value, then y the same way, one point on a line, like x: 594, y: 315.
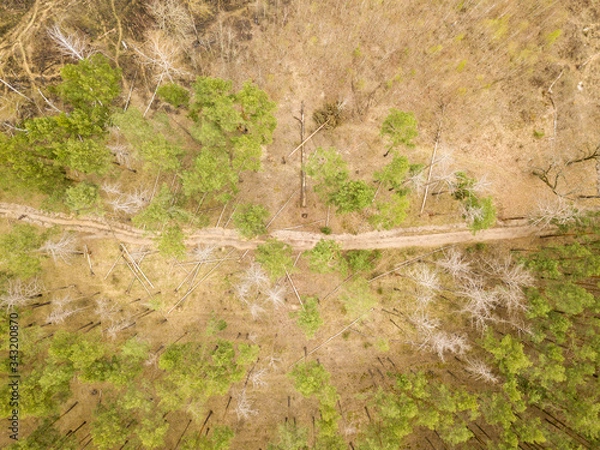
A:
x: 425, y: 237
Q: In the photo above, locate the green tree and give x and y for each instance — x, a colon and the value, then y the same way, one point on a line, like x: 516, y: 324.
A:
x: 18, y: 256
x: 161, y: 210
x: 234, y: 124
x: 310, y: 378
x: 391, y: 213
x: 400, y: 128
x: 275, y: 257
x: 308, y: 318
x: 329, y: 170
x: 393, y: 175
x: 479, y: 212
x: 250, y: 220
x: 358, y: 297
x: 325, y: 257
x: 362, y: 260
x: 83, y: 197
x: 87, y: 156
x: 290, y: 437
x: 352, y: 196
x: 155, y: 148
x: 152, y: 432
x: 194, y: 372
x: 219, y: 440
x: 90, y: 84
x: 210, y: 174
x: 109, y: 426
x: 170, y: 242
x: 174, y: 94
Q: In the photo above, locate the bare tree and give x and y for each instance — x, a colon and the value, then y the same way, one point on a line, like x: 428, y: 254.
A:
x: 59, y: 315
x: 424, y: 323
x: 18, y: 293
x: 63, y: 249
x: 111, y: 188
x: 424, y: 298
x: 512, y: 299
x: 471, y: 213
x: 515, y: 276
x: 480, y: 371
x: 559, y: 212
x: 276, y: 295
x: 425, y: 277
x: 455, y: 264
x: 105, y: 309
x: 131, y: 202
x: 202, y: 254
x: 481, y: 304
x: 256, y: 310
x: 242, y: 291
x: 163, y: 55
x: 74, y: 45
x: 152, y: 360
x: 481, y: 185
x: 256, y: 276
x: 122, y: 155
x: 172, y: 17
x: 442, y: 342
x: 256, y: 378
x: 243, y: 408
x: 117, y: 326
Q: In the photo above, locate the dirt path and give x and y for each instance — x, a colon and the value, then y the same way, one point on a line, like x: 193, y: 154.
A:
x: 431, y: 236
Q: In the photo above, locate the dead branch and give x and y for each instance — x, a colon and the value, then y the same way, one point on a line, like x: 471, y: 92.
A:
x: 435, y: 147
x: 73, y: 45
x: 309, y: 138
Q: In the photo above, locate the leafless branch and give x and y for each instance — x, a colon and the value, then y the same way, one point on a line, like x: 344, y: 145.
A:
x: 74, y: 45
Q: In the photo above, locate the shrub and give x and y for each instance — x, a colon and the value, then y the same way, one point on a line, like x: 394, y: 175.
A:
x: 171, y: 243
x: 83, y: 196
x: 174, y: 95
x: 352, y: 196
x: 250, y: 220
x: 275, y: 257
x: 325, y: 257
x: 308, y: 318
x: 400, y: 128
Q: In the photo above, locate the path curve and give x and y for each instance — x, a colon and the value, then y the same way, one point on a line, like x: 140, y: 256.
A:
x: 427, y: 236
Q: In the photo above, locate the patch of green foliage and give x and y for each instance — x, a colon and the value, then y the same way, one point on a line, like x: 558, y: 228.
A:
x: 480, y: 213
x: 232, y: 128
x: 358, y: 297
x: 290, y: 437
x: 41, y: 156
x: 82, y: 197
x: 219, y: 362
x: 250, y: 220
x: 174, y: 94
x: 162, y: 210
x: 326, y: 257
x: 220, y: 439
x: 18, y: 252
x: 362, y: 260
x: 352, y: 196
x: 308, y: 318
x: 275, y: 257
x: 170, y: 242
x: 157, y: 150
x: 400, y: 128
